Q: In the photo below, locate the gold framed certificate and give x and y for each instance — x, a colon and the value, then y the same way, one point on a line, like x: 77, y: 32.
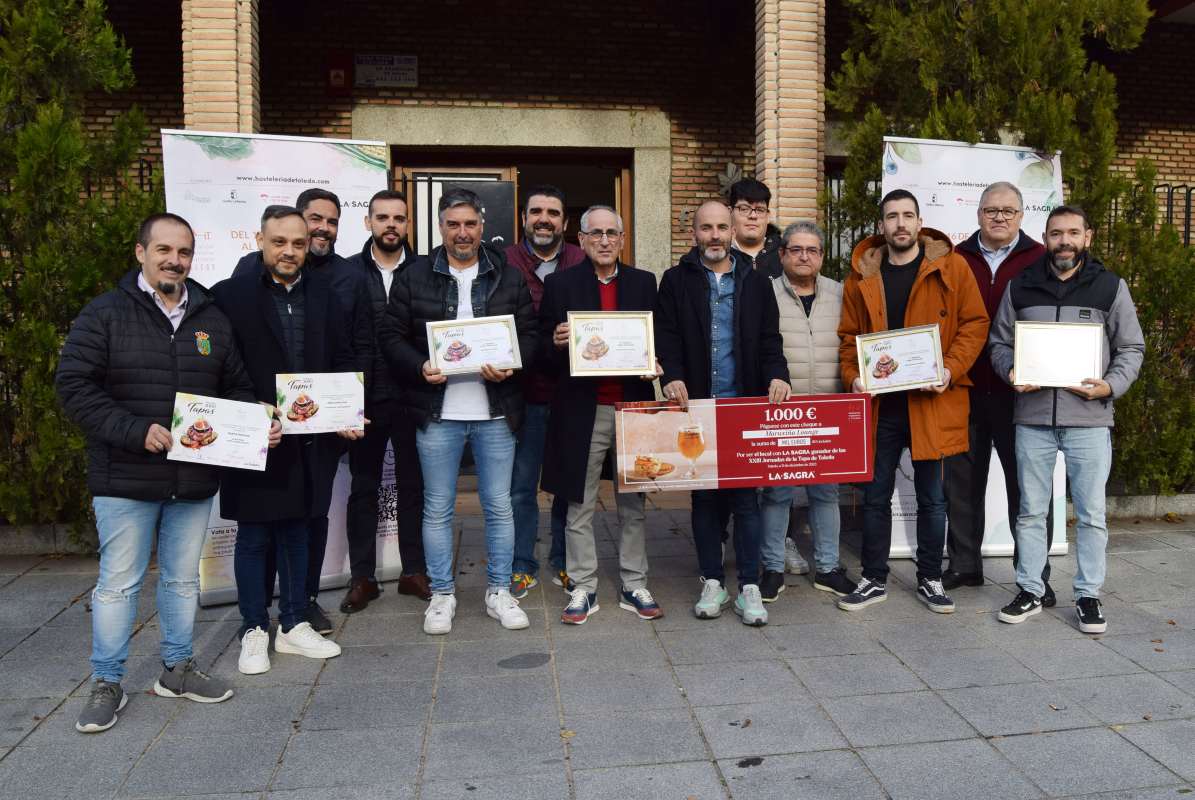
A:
x: 461, y: 346
x: 899, y: 360
x: 1057, y: 353
x: 611, y: 343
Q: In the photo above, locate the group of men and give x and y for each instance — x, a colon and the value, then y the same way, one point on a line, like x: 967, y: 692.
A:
x: 746, y: 312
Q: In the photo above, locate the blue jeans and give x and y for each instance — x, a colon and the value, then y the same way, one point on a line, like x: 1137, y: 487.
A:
x: 288, y: 539
x: 775, y: 503
x: 1088, y: 455
x: 892, y: 436
x: 524, y: 494
x: 440, y: 446
x: 126, y: 531
x: 710, y: 507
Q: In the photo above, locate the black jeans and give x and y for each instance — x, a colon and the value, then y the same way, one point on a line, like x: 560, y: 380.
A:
x: 388, y: 423
x: 990, y: 426
x: 892, y: 436
x: 285, y: 541
x: 710, y: 507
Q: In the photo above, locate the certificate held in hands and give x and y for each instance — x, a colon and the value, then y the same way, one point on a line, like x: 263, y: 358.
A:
x: 609, y: 343
x: 321, y: 402
x: 461, y: 346
x: 1057, y: 353
x: 899, y: 360
x: 220, y: 433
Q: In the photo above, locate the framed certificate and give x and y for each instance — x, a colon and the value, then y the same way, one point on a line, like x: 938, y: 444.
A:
x: 220, y: 433
x: 611, y: 343
x: 1057, y: 353
x: 321, y: 402
x: 461, y: 346
x: 899, y: 360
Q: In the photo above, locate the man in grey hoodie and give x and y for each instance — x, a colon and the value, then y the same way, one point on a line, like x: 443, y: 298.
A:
x: 1066, y: 285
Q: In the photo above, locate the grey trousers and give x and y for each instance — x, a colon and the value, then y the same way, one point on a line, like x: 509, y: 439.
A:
x: 580, y: 548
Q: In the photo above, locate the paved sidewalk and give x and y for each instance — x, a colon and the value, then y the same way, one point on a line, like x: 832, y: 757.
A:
x: 890, y: 702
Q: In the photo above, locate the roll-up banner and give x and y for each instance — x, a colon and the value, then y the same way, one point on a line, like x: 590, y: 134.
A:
x: 220, y: 183
x: 947, y: 178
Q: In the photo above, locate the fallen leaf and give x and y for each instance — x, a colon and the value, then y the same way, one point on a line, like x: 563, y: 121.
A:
x: 1147, y: 717
x: 1170, y: 516
x: 567, y: 734
x: 1156, y: 641
x: 747, y: 723
x: 1171, y: 622
x: 1159, y: 650
x: 1057, y: 708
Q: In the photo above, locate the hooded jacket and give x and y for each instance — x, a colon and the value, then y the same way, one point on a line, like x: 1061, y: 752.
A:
x: 944, y: 293
x: 1093, y: 294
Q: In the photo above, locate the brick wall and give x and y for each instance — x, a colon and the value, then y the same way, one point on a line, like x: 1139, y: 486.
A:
x: 694, y: 61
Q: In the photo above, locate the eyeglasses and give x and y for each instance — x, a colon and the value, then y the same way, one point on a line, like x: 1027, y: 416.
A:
x: 795, y: 252
x: 1001, y: 213
x: 751, y: 211
x: 598, y: 235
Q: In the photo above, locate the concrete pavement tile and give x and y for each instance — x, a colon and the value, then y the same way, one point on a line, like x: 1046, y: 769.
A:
x: 728, y: 683
x: 41, y: 677
x: 342, y: 758
x: 956, y: 669
x: 389, y: 662
x: 19, y: 717
x: 1164, y: 561
x: 1183, y: 540
x: 756, y: 729
x: 56, y: 565
x: 256, y: 708
x: 1124, y: 699
x: 907, y: 771
x: 494, y: 698
x: 231, y: 762
x: 970, y: 600
x: 1123, y: 617
x: 828, y: 775
x: 11, y: 637
x: 1183, y: 679
x: 478, y: 750
x: 1041, y: 628
x: 1018, y: 708
x: 285, y: 670
x: 543, y: 786
x: 1167, y: 611
x: 208, y: 640
x: 933, y: 632
x: 1174, y: 651
x: 608, y: 653
x: 73, y: 772
x: 141, y: 721
x: 47, y: 588
x: 740, y: 643
x: 1127, y: 545
x: 54, y: 643
x: 385, y: 704
x: 1080, y: 762
x: 841, y: 676
x: 822, y: 639
x: 649, y: 737
x: 696, y: 780
x: 364, y: 628
x: 896, y: 719
x: 21, y: 613
x: 400, y: 791
x: 1171, y: 742
x: 1070, y: 658
x: 1174, y: 792
x: 606, y: 692
x: 999, y: 570
x: 496, y: 657
x: 801, y: 604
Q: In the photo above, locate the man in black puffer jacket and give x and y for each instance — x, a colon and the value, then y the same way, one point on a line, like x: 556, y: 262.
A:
x: 127, y: 354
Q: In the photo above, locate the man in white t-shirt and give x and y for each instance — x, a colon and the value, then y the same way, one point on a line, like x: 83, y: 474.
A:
x: 462, y: 279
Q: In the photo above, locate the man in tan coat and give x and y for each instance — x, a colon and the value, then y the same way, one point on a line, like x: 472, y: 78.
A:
x: 905, y: 277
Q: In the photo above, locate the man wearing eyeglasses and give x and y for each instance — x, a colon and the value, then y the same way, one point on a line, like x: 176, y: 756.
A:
x: 996, y: 253
x: 754, y: 236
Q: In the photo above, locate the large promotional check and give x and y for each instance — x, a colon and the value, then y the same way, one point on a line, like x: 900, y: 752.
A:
x: 743, y: 441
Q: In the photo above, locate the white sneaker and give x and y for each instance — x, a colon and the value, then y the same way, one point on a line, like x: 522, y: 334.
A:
x: 504, y: 608
x: 304, y: 640
x: 255, y: 652
x: 438, y: 617
x: 793, y: 562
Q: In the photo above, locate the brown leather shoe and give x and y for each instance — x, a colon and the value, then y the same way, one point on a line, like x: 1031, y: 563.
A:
x: 361, y: 592
x: 416, y: 585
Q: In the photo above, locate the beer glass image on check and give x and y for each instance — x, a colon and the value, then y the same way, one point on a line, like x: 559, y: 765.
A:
x: 611, y: 343
x: 898, y: 360
x: 661, y: 447
x: 457, y: 347
x: 1057, y: 353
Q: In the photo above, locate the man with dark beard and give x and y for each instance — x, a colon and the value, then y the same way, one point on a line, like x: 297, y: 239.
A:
x: 1066, y: 285
x: 385, y: 254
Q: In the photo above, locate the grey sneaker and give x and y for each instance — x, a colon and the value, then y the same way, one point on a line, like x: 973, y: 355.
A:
x: 749, y: 606
x: 186, y: 681
x: 713, y: 597
x: 100, y: 712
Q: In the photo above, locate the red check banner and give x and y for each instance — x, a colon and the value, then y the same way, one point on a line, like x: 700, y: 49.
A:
x: 743, y: 441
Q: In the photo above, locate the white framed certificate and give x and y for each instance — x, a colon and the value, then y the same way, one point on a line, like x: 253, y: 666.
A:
x: 899, y: 360
x: 219, y: 433
x: 460, y: 346
x: 611, y: 343
x: 320, y: 402
x: 1057, y: 353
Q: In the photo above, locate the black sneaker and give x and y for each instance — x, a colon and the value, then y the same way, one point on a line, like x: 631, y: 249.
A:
x: 834, y: 581
x: 1023, y: 606
x: 930, y: 592
x: 953, y: 580
x: 1048, y: 600
x: 1091, y: 615
x: 100, y: 712
x: 771, y: 585
x: 867, y: 593
x: 318, y: 619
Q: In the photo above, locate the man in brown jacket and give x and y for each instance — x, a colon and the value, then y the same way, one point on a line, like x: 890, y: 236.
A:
x: 904, y: 277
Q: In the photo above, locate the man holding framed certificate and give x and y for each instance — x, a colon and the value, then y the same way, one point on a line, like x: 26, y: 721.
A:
x: 582, y: 310
x: 1067, y: 293
x: 909, y: 277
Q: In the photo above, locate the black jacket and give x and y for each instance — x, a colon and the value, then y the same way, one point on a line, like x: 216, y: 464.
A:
x: 682, y: 321
x: 120, y: 368
x: 574, y: 403
x: 297, y: 482
x: 384, y: 388
x: 425, y: 292
x: 766, y: 260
